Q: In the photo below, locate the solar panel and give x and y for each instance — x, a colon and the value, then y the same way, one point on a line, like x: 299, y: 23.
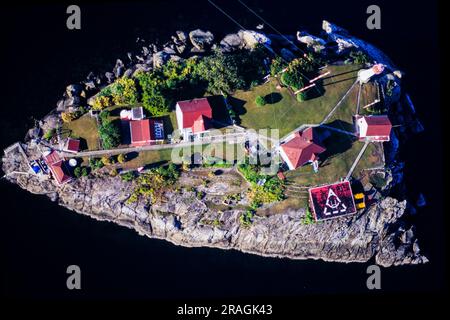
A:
x: 137, y: 113
x: 159, y: 131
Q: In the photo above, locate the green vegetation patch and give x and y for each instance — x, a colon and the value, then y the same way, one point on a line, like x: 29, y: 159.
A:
x: 84, y: 128
x: 285, y: 113
x: 342, y: 151
x: 152, y: 184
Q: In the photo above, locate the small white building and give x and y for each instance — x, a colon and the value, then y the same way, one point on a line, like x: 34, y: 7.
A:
x: 373, y: 128
x: 364, y: 75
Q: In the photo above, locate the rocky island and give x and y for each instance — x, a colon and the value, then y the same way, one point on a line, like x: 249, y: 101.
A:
x: 276, y: 145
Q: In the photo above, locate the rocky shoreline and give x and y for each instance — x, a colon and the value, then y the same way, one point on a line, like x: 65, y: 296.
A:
x: 380, y: 232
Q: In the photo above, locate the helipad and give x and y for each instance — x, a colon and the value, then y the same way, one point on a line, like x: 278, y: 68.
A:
x: 331, y: 201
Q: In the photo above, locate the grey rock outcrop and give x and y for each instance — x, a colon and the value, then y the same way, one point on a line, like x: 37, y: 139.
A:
x: 252, y: 38
x: 74, y: 90
x: 200, y: 39
x: 378, y: 232
x: 247, y: 39
x: 119, y: 68
x: 346, y: 41
x: 317, y: 44
x: 231, y: 42
x: 160, y: 58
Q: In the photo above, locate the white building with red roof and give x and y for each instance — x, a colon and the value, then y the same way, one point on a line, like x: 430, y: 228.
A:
x: 57, y: 167
x: 301, y: 148
x: 373, y: 128
x: 194, y: 117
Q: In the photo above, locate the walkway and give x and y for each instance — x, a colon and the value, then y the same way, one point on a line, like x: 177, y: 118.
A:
x: 357, y: 160
x: 339, y: 103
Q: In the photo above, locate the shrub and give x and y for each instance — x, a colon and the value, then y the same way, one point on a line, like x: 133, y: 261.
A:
x: 121, y: 158
x: 109, y: 133
x: 77, y: 172
x: 378, y: 181
x: 260, y: 101
x: 101, y: 102
x: 68, y: 116
x: 293, y: 79
x: 359, y: 57
x: 96, y: 163
x: 276, y: 66
x: 155, y: 97
x: 128, y: 176
x: 150, y: 185
x: 124, y: 91
x: 307, y: 218
x: 301, y: 96
x: 85, y: 171
x: 49, y: 134
x: 246, y: 218
x: 106, y: 160
x: 211, y: 174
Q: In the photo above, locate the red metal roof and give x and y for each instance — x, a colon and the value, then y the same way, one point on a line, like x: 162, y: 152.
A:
x: 193, y: 109
x: 140, y: 132
x: 73, y: 145
x: 52, y: 157
x: 378, y: 126
x: 200, y: 124
x: 302, y: 148
x: 58, y: 171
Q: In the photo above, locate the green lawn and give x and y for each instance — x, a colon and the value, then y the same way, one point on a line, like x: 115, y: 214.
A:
x: 147, y: 157
x: 282, y: 110
x: 219, y: 150
x: 339, y: 157
x: 85, y: 129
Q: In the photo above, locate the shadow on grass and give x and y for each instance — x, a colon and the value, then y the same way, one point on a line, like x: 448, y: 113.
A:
x: 83, y: 144
x: 168, y: 126
x: 116, y: 112
x: 341, y: 125
x: 156, y: 164
x: 238, y: 107
x: 273, y: 97
x: 316, y: 92
x: 338, y: 81
x: 340, y: 74
x: 124, y: 126
x: 335, y: 144
x: 132, y: 155
x: 219, y: 111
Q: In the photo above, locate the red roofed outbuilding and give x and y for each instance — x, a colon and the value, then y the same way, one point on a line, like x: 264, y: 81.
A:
x: 193, y: 117
x: 72, y: 145
x: 302, y: 148
x: 144, y: 132
x: 373, y: 128
x: 57, y: 168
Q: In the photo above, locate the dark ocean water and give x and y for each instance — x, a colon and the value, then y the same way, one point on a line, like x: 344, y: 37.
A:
x: 39, y: 57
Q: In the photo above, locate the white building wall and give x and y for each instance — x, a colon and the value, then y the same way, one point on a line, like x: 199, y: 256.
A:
x: 362, y: 127
x: 286, y: 159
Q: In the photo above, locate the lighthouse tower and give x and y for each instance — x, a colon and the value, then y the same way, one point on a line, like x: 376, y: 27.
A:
x: 364, y: 75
